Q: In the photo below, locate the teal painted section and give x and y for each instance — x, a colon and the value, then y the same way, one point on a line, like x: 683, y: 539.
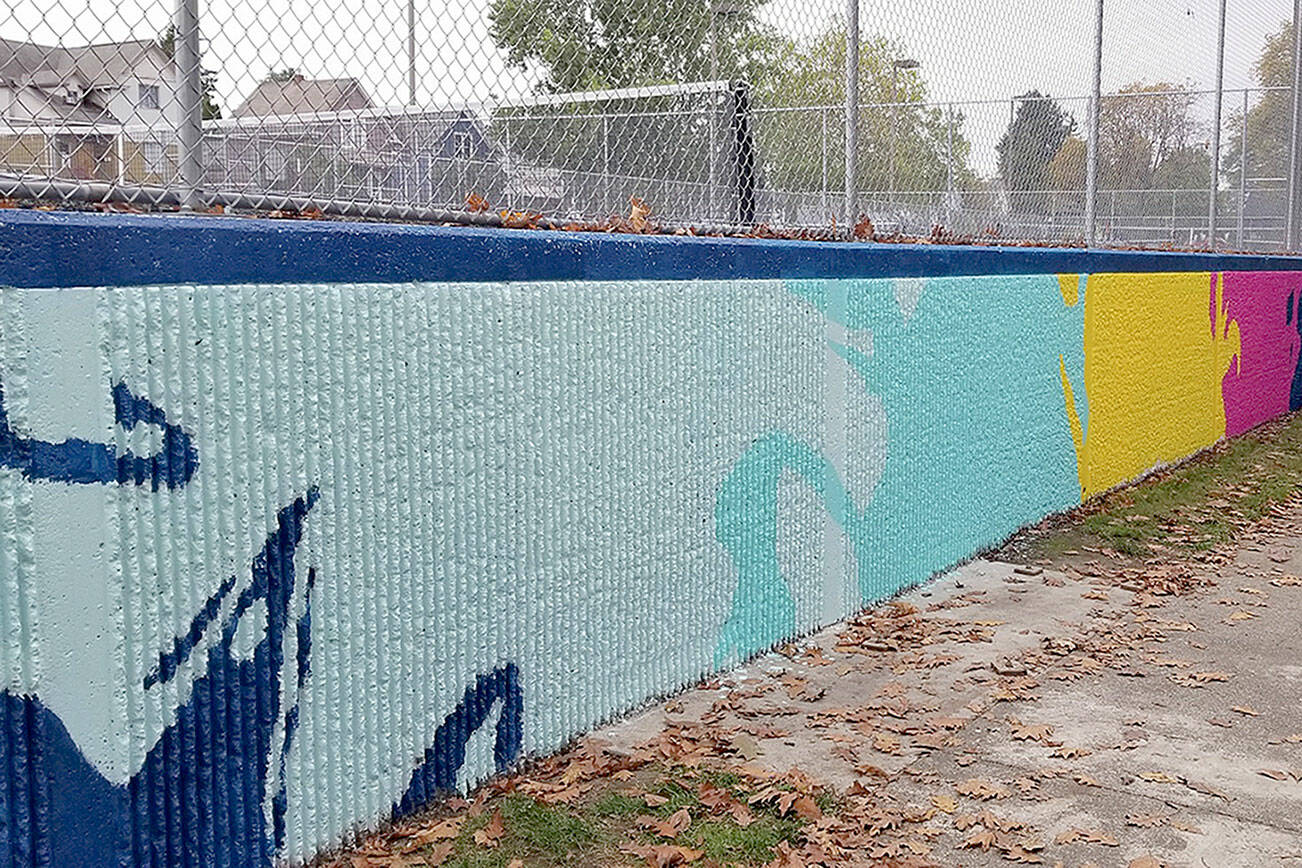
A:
x: 968, y: 370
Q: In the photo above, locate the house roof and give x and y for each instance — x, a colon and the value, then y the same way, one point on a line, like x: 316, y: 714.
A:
x: 299, y: 95
x: 111, y: 62
x: 107, y: 63
x: 21, y: 61
x: 58, y: 84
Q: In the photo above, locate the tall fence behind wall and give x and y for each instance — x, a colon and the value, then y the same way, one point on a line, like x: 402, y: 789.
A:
x: 970, y: 122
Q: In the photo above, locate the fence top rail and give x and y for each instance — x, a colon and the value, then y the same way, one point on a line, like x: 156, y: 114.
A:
x: 473, y: 107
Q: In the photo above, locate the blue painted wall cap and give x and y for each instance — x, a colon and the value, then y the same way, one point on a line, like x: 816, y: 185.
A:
x: 69, y: 249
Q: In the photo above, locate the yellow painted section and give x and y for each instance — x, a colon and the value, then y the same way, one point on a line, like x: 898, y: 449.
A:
x: 1069, y: 286
x: 1156, y: 350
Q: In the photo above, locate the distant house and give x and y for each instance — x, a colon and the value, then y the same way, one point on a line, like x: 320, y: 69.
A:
x: 430, y: 157
x: 300, y: 96
x: 63, y: 110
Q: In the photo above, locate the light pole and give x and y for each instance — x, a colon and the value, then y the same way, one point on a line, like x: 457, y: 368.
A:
x: 896, y: 66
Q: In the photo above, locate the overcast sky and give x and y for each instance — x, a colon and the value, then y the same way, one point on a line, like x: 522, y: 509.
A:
x: 968, y: 49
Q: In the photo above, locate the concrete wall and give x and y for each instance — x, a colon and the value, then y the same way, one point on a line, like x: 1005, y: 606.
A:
x: 280, y: 560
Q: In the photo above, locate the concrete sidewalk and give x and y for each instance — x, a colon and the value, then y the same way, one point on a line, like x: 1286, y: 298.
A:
x: 1107, y: 712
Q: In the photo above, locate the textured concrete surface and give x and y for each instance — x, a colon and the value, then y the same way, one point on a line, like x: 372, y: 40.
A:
x: 320, y: 551
x: 1172, y: 716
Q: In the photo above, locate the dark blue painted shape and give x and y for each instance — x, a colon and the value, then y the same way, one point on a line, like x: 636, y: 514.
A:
x: 81, y: 462
x: 170, y: 661
x: 198, y: 799
x: 1293, y: 317
x: 437, y: 772
x: 51, y: 249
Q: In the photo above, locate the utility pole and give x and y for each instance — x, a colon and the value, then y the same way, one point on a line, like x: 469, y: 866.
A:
x: 896, y: 66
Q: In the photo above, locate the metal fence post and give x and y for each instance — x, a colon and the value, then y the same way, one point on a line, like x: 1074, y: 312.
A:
x: 1092, y: 154
x: 1216, y: 132
x: 743, y: 154
x: 411, y: 52
x: 605, y: 162
x: 949, y: 165
x: 1295, y: 139
x: 826, y: 209
x: 852, y: 112
x: 1243, y: 168
x: 190, y: 99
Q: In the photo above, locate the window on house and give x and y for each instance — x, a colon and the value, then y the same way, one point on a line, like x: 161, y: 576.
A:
x: 147, y: 96
x: 64, y: 148
x: 154, y: 155
x: 463, y: 146
x: 358, y: 135
x: 274, y: 162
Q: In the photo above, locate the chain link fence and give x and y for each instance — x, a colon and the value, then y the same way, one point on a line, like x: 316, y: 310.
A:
x: 960, y: 120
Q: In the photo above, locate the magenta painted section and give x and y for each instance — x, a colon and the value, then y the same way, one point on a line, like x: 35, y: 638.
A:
x: 1256, y: 387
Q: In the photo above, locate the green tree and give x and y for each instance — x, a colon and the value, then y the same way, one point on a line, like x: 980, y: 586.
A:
x: 584, y: 45
x: 802, y: 126
x: 1269, y: 119
x: 209, y: 109
x: 1150, y: 139
x: 580, y: 45
x: 1033, y: 141
x: 1067, y: 169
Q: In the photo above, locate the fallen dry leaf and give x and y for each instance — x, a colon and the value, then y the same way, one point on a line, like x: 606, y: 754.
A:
x: 443, y: 831
x: 982, y: 837
x: 1158, y: 778
x: 977, y: 788
x: 1146, y: 862
x: 886, y: 743
x: 1031, y: 732
x: 663, y: 855
x: 669, y: 827
x: 946, y: 803
x: 491, y: 835
x: 807, y: 809
x: 638, y: 213
x: 1245, y: 710
x: 787, y: 857
x: 1087, y: 836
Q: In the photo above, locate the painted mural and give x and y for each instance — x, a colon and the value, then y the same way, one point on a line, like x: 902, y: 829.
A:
x: 277, y: 563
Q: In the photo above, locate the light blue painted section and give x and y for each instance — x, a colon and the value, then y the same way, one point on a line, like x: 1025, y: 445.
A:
x: 978, y: 442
